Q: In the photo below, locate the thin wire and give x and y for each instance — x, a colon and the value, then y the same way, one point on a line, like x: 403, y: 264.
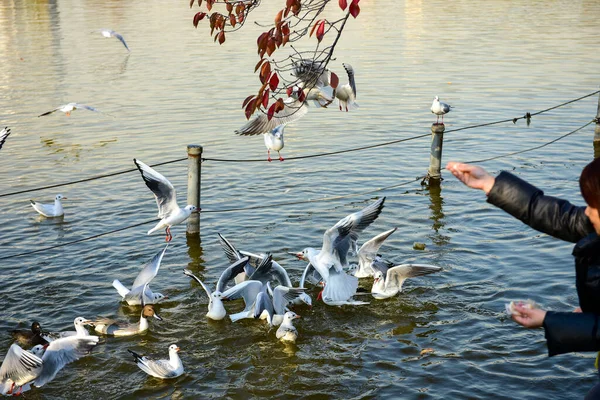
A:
x: 533, y: 148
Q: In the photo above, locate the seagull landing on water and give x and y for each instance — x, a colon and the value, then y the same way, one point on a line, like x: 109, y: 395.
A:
x: 50, y: 210
x: 274, y: 141
x: 164, y: 369
x: 5, y: 132
x: 68, y: 108
x: 439, y: 108
x: 108, y: 33
x: 166, y: 199
x: 390, y: 284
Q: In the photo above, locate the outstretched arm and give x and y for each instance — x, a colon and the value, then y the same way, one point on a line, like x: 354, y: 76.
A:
x: 471, y: 175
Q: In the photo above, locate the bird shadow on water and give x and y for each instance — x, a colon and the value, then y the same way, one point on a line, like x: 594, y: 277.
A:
x: 57, y: 224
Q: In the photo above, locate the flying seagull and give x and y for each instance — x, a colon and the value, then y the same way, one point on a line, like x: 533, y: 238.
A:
x: 107, y: 33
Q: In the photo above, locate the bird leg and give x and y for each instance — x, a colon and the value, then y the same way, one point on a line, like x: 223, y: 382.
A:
x: 19, y: 392
x: 280, y: 158
x: 11, y: 388
x: 169, y: 236
x: 68, y: 113
x: 269, y: 159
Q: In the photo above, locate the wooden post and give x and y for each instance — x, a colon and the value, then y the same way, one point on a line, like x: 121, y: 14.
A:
x: 434, y: 174
x: 193, y: 195
x: 597, y: 132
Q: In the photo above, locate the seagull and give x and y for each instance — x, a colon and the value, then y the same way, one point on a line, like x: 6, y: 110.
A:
x: 391, y: 285
x: 113, y: 328
x: 439, y: 108
x: 107, y: 33
x: 134, y: 296
x: 164, y: 369
x: 248, y: 290
x: 367, y: 255
x: 68, y: 108
x: 21, y: 369
x: 5, y: 132
x: 287, y: 332
x: 346, y: 94
x: 331, y: 260
x: 274, y: 141
x: 166, y: 199
x: 216, y: 310
x: 282, y: 297
x: 30, y: 337
x: 80, y: 330
x: 49, y: 210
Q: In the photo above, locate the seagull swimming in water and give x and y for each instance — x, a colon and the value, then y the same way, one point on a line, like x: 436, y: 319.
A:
x: 439, y: 108
x: 166, y: 199
x: 274, y: 141
x: 68, y: 108
x: 5, y: 132
x: 50, y: 210
x: 164, y: 369
x: 287, y: 332
x: 390, y: 284
x: 108, y: 33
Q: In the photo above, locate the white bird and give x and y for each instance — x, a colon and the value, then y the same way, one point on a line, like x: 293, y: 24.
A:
x: 439, y: 108
x: 68, y: 108
x: 287, y: 332
x: 166, y: 199
x: 391, y: 285
x: 164, y: 369
x: 80, y: 323
x: 113, y: 328
x: 331, y: 260
x: 108, y: 33
x: 367, y: 255
x: 216, y: 309
x: 346, y: 94
x: 5, y: 132
x: 50, y: 210
x: 248, y: 290
x: 136, y: 296
x: 274, y: 141
x: 21, y: 369
x: 282, y: 297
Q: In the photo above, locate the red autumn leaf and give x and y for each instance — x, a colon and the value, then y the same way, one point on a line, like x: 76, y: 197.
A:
x: 261, y: 42
x: 286, y: 12
x: 354, y: 8
x: 198, y: 17
x: 250, y: 107
x: 285, y: 29
x: 301, y: 96
x: 199, y: 3
x: 285, y: 39
x: 229, y: 7
x: 192, y: 3
x: 278, y: 17
x: 289, y: 3
x: 321, y: 31
x: 265, y: 98
x: 343, y: 4
x: 209, y: 4
x: 241, y: 17
x: 221, y: 36
x: 280, y: 105
x: 246, y: 100
x: 314, y: 27
x: 289, y: 91
x: 334, y: 80
x: 265, y: 72
x: 270, y: 47
x: 258, y: 64
x: 232, y: 20
x: 271, y: 111
x: 274, y: 81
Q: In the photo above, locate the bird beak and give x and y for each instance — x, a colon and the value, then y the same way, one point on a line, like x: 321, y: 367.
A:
x: 88, y: 322
x: 165, y: 297
x: 299, y: 256
x: 65, y: 198
x: 177, y: 349
x: 196, y: 211
x: 297, y: 316
x: 158, y: 317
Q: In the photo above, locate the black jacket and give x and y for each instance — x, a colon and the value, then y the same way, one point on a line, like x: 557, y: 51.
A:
x: 565, y: 332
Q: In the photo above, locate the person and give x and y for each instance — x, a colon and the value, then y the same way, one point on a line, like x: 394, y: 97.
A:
x: 565, y: 332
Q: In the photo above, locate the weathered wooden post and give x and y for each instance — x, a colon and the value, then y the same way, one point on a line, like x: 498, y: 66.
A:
x: 597, y: 132
x: 434, y: 174
x: 193, y: 195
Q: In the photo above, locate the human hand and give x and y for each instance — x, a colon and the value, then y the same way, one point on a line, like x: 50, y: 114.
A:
x: 471, y: 175
x: 528, y: 317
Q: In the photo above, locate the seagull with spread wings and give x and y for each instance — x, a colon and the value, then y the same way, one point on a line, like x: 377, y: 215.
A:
x: 108, y: 33
x: 68, y: 108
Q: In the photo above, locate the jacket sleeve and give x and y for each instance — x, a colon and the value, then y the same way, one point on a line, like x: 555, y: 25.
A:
x: 547, y: 214
x: 568, y: 332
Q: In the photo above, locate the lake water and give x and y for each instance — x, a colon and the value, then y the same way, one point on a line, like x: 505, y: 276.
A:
x: 491, y: 60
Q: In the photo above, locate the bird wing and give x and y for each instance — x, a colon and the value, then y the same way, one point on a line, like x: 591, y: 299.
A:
x: 313, y: 278
x: 150, y: 270
x: 248, y: 290
x: 62, y: 352
x: 280, y: 274
x: 230, y: 273
x: 263, y: 302
x: 161, y: 368
x: 50, y: 112
x: 46, y: 210
x: 164, y: 192
x: 308, y: 71
x: 396, y: 276
x: 340, y: 238
x: 368, y: 251
x: 283, y: 295
x: 293, y: 110
x: 263, y: 270
x: 234, y: 254
x: 120, y: 37
x: 19, y: 366
x: 191, y: 275
x: 350, y: 72
x: 77, y: 105
x: 3, y: 135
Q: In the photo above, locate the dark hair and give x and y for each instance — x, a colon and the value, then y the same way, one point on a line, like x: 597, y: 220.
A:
x: 589, y: 183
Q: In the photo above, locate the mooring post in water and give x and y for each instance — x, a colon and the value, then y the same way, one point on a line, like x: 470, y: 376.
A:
x: 434, y: 174
x: 194, y: 153
x: 597, y: 132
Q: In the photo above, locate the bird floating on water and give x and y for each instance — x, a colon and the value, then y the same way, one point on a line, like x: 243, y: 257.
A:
x: 108, y: 33
x: 287, y: 332
x: 50, y: 210
x: 68, y: 108
x: 113, y: 328
x: 166, y: 199
x: 164, y: 369
x: 5, y: 132
x: 274, y: 141
x: 439, y: 108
